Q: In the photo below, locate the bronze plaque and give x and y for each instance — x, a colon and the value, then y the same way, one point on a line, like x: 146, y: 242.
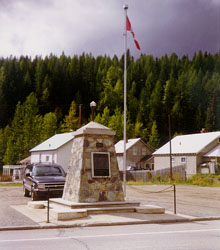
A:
x: 99, y: 145
x: 101, y: 164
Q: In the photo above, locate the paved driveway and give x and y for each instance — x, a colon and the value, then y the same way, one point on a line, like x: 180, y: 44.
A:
x: 191, y: 200
x: 10, y: 196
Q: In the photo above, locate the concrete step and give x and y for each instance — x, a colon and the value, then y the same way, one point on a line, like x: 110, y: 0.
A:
x: 65, y: 210
x: 105, y: 210
x: 75, y: 205
x: 150, y: 209
x: 61, y: 213
x: 68, y: 214
x: 145, y: 209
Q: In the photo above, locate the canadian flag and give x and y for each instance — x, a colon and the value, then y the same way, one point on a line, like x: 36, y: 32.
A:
x: 129, y: 28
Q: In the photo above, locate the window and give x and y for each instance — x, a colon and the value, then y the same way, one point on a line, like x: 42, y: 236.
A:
x: 101, y: 164
x: 47, y: 158
x: 183, y: 159
x: 144, y: 151
x: 173, y: 159
x: 152, y: 166
x: 147, y: 166
x: 47, y: 170
x: 134, y: 151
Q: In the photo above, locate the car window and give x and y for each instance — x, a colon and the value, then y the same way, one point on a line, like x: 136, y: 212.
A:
x: 47, y: 171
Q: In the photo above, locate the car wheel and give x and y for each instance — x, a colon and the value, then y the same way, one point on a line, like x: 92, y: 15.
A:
x: 26, y: 192
x: 33, y: 196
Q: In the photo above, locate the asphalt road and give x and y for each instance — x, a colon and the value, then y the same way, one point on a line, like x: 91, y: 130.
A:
x: 191, y: 200
x: 183, y: 236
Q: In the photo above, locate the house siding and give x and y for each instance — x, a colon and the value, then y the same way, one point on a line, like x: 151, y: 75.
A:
x: 191, y: 166
x: 60, y: 156
x: 195, y: 157
x: 133, y: 155
x: 163, y: 161
x: 35, y: 157
x: 64, y: 155
x: 44, y: 156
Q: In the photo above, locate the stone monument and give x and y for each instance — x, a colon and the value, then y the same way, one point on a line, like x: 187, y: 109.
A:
x: 93, y: 174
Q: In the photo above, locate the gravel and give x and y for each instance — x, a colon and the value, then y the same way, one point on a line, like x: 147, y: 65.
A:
x: 190, y: 200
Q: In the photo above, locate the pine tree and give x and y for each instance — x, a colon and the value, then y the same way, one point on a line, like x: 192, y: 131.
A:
x: 24, y: 131
x: 49, y: 126
x: 70, y: 120
x: 154, y: 140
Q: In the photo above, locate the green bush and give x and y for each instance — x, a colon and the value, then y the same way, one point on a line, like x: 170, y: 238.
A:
x: 204, y: 180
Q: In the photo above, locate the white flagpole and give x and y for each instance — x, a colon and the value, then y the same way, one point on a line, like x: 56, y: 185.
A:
x: 125, y: 97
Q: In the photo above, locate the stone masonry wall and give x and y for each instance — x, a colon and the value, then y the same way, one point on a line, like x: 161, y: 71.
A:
x: 80, y: 185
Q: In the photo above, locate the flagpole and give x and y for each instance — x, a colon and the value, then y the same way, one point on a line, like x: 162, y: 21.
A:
x: 125, y: 6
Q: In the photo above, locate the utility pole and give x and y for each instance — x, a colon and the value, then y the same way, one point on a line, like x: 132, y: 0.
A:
x: 171, y: 171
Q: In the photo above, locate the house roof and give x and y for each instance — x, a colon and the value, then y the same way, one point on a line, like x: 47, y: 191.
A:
x: 119, y: 146
x: 25, y: 160
x: 54, y: 142
x: 188, y: 144
x: 215, y: 152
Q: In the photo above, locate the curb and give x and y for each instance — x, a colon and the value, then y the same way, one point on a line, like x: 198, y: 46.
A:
x: 184, y: 220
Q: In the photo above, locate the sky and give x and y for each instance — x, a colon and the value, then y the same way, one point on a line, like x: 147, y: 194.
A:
x: 41, y: 27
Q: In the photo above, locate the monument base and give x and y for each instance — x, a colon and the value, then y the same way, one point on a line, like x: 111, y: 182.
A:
x: 63, y: 210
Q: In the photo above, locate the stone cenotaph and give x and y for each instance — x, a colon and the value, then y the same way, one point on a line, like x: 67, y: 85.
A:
x: 93, y: 183
x: 93, y: 174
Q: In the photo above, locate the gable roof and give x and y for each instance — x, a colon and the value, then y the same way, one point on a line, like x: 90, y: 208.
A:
x: 188, y: 144
x: 215, y: 152
x: 119, y: 146
x: 54, y: 142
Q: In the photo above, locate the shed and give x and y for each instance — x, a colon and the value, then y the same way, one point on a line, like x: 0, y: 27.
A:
x: 56, y: 149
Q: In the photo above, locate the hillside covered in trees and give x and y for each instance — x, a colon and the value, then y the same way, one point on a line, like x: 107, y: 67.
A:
x: 40, y: 97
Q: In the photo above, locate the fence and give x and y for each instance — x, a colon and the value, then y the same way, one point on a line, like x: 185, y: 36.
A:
x: 177, y: 171
x: 146, y: 175
x: 15, y: 170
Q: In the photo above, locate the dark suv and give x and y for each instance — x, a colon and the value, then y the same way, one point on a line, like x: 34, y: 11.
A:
x: 43, y: 180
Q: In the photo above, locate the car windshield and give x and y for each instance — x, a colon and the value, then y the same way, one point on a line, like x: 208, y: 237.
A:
x: 47, y: 171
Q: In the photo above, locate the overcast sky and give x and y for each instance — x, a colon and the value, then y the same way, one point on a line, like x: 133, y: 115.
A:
x: 41, y: 27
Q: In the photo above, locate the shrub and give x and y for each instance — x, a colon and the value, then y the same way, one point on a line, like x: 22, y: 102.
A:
x: 203, y: 180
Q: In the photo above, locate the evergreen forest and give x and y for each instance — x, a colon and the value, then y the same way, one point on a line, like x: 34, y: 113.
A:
x: 43, y: 96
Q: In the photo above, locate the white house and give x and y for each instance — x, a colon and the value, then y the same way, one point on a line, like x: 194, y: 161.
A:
x: 56, y: 149
x: 199, y: 153
x: 138, y: 154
